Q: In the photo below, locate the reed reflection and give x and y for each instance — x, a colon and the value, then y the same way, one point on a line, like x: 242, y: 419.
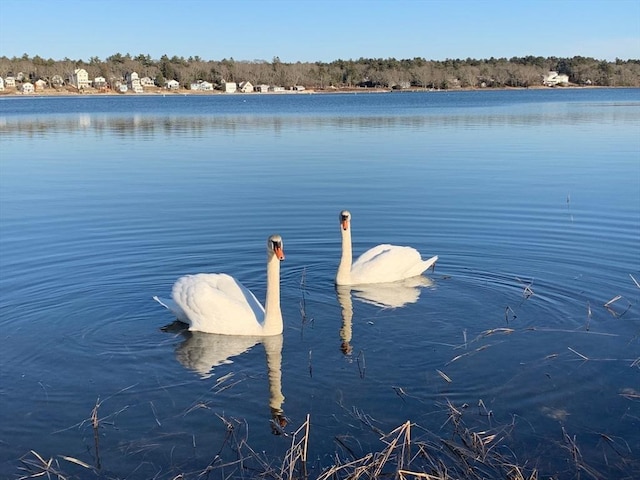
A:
x: 202, y: 352
x: 384, y: 295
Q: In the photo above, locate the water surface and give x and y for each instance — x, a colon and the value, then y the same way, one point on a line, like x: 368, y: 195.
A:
x: 531, y: 200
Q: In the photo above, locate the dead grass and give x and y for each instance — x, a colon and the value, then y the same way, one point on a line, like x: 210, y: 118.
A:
x: 408, y: 452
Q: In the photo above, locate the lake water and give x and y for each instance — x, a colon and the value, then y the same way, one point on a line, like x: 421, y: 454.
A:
x: 531, y: 200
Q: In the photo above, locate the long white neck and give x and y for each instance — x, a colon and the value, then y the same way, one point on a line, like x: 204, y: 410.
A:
x: 272, y: 314
x: 343, y: 276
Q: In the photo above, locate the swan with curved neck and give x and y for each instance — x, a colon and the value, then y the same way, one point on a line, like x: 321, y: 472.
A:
x: 218, y: 303
x: 381, y: 264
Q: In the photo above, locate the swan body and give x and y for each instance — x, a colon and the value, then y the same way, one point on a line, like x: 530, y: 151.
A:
x: 380, y: 264
x: 218, y: 303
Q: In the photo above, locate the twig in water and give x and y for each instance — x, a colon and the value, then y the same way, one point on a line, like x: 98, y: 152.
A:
x: 635, y: 281
x: 613, y: 300
x: 361, y: 363
x: 578, y: 353
x: 528, y: 291
x: 310, y: 366
x: 400, y: 392
x: 95, y: 422
x: 506, y: 313
x: 155, y: 414
x: 444, y: 376
x: 588, y: 316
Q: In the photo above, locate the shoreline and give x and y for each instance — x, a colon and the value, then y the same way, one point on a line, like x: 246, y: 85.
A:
x: 50, y: 92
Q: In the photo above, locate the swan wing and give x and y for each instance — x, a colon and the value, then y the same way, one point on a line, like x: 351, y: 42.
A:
x: 388, y: 263
x: 218, y: 303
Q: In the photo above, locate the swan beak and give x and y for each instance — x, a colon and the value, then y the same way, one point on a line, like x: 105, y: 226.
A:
x: 279, y: 252
x: 345, y: 223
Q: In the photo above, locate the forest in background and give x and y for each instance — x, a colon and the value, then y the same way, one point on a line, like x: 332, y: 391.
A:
x: 520, y: 72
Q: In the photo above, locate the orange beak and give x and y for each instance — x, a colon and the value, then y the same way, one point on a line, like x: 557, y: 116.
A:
x: 345, y: 224
x: 279, y: 252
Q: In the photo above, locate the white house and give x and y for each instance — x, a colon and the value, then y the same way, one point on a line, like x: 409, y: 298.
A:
x: 277, y: 89
x: 245, y: 87
x: 552, y: 79
x: 10, y: 81
x: 1, y: 84
x: 263, y: 88
x: 173, y: 85
x: 229, y: 87
x: 99, y: 82
x: 133, y: 82
x: 80, y: 78
x: 40, y: 84
x: 147, y: 82
x: 27, y: 87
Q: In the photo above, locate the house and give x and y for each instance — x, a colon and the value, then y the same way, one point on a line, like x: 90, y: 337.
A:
x: 57, y: 81
x: 245, y: 87
x: 80, y: 78
x: 147, y: 82
x: 552, y: 79
x: 1, y: 84
x: 298, y: 88
x: 262, y: 88
x: 229, y: 87
x: 276, y: 89
x: 99, y: 82
x: 10, y: 81
x: 27, y: 87
x: 202, y: 86
x: 172, y: 85
x: 122, y: 88
x: 40, y: 84
x: 133, y: 82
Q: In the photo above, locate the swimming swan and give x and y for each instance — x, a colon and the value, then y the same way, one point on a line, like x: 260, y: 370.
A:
x: 218, y: 303
x: 380, y: 264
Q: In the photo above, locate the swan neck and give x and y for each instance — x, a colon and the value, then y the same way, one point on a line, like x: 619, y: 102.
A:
x: 344, y: 269
x: 272, y: 313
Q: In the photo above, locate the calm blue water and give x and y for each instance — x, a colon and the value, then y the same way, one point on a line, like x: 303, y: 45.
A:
x: 531, y: 199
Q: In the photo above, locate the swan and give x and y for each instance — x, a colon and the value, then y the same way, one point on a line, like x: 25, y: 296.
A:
x: 218, y: 303
x: 380, y: 264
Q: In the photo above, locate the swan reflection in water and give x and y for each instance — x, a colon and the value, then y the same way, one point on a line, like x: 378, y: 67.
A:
x: 202, y: 352
x: 384, y: 295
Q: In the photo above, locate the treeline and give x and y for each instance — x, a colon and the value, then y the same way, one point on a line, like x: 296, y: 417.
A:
x: 385, y: 73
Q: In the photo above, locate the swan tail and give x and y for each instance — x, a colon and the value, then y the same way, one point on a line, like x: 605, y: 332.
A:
x: 430, y: 263
x: 171, y: 306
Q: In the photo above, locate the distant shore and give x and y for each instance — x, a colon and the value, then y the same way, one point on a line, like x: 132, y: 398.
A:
x: 68, y: 92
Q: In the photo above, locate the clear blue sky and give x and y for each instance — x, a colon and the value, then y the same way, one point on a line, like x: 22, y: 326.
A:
x: 320, y: 30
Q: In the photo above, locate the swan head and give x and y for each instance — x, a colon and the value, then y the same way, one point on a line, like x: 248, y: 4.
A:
x: 345, y: 219
x: 275, y: 247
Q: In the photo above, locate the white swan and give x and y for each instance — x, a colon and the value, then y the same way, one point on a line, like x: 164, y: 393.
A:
x: 218, y: 303
x: 380, y: 264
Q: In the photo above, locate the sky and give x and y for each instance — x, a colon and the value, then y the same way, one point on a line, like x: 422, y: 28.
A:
x: 320, y: 30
